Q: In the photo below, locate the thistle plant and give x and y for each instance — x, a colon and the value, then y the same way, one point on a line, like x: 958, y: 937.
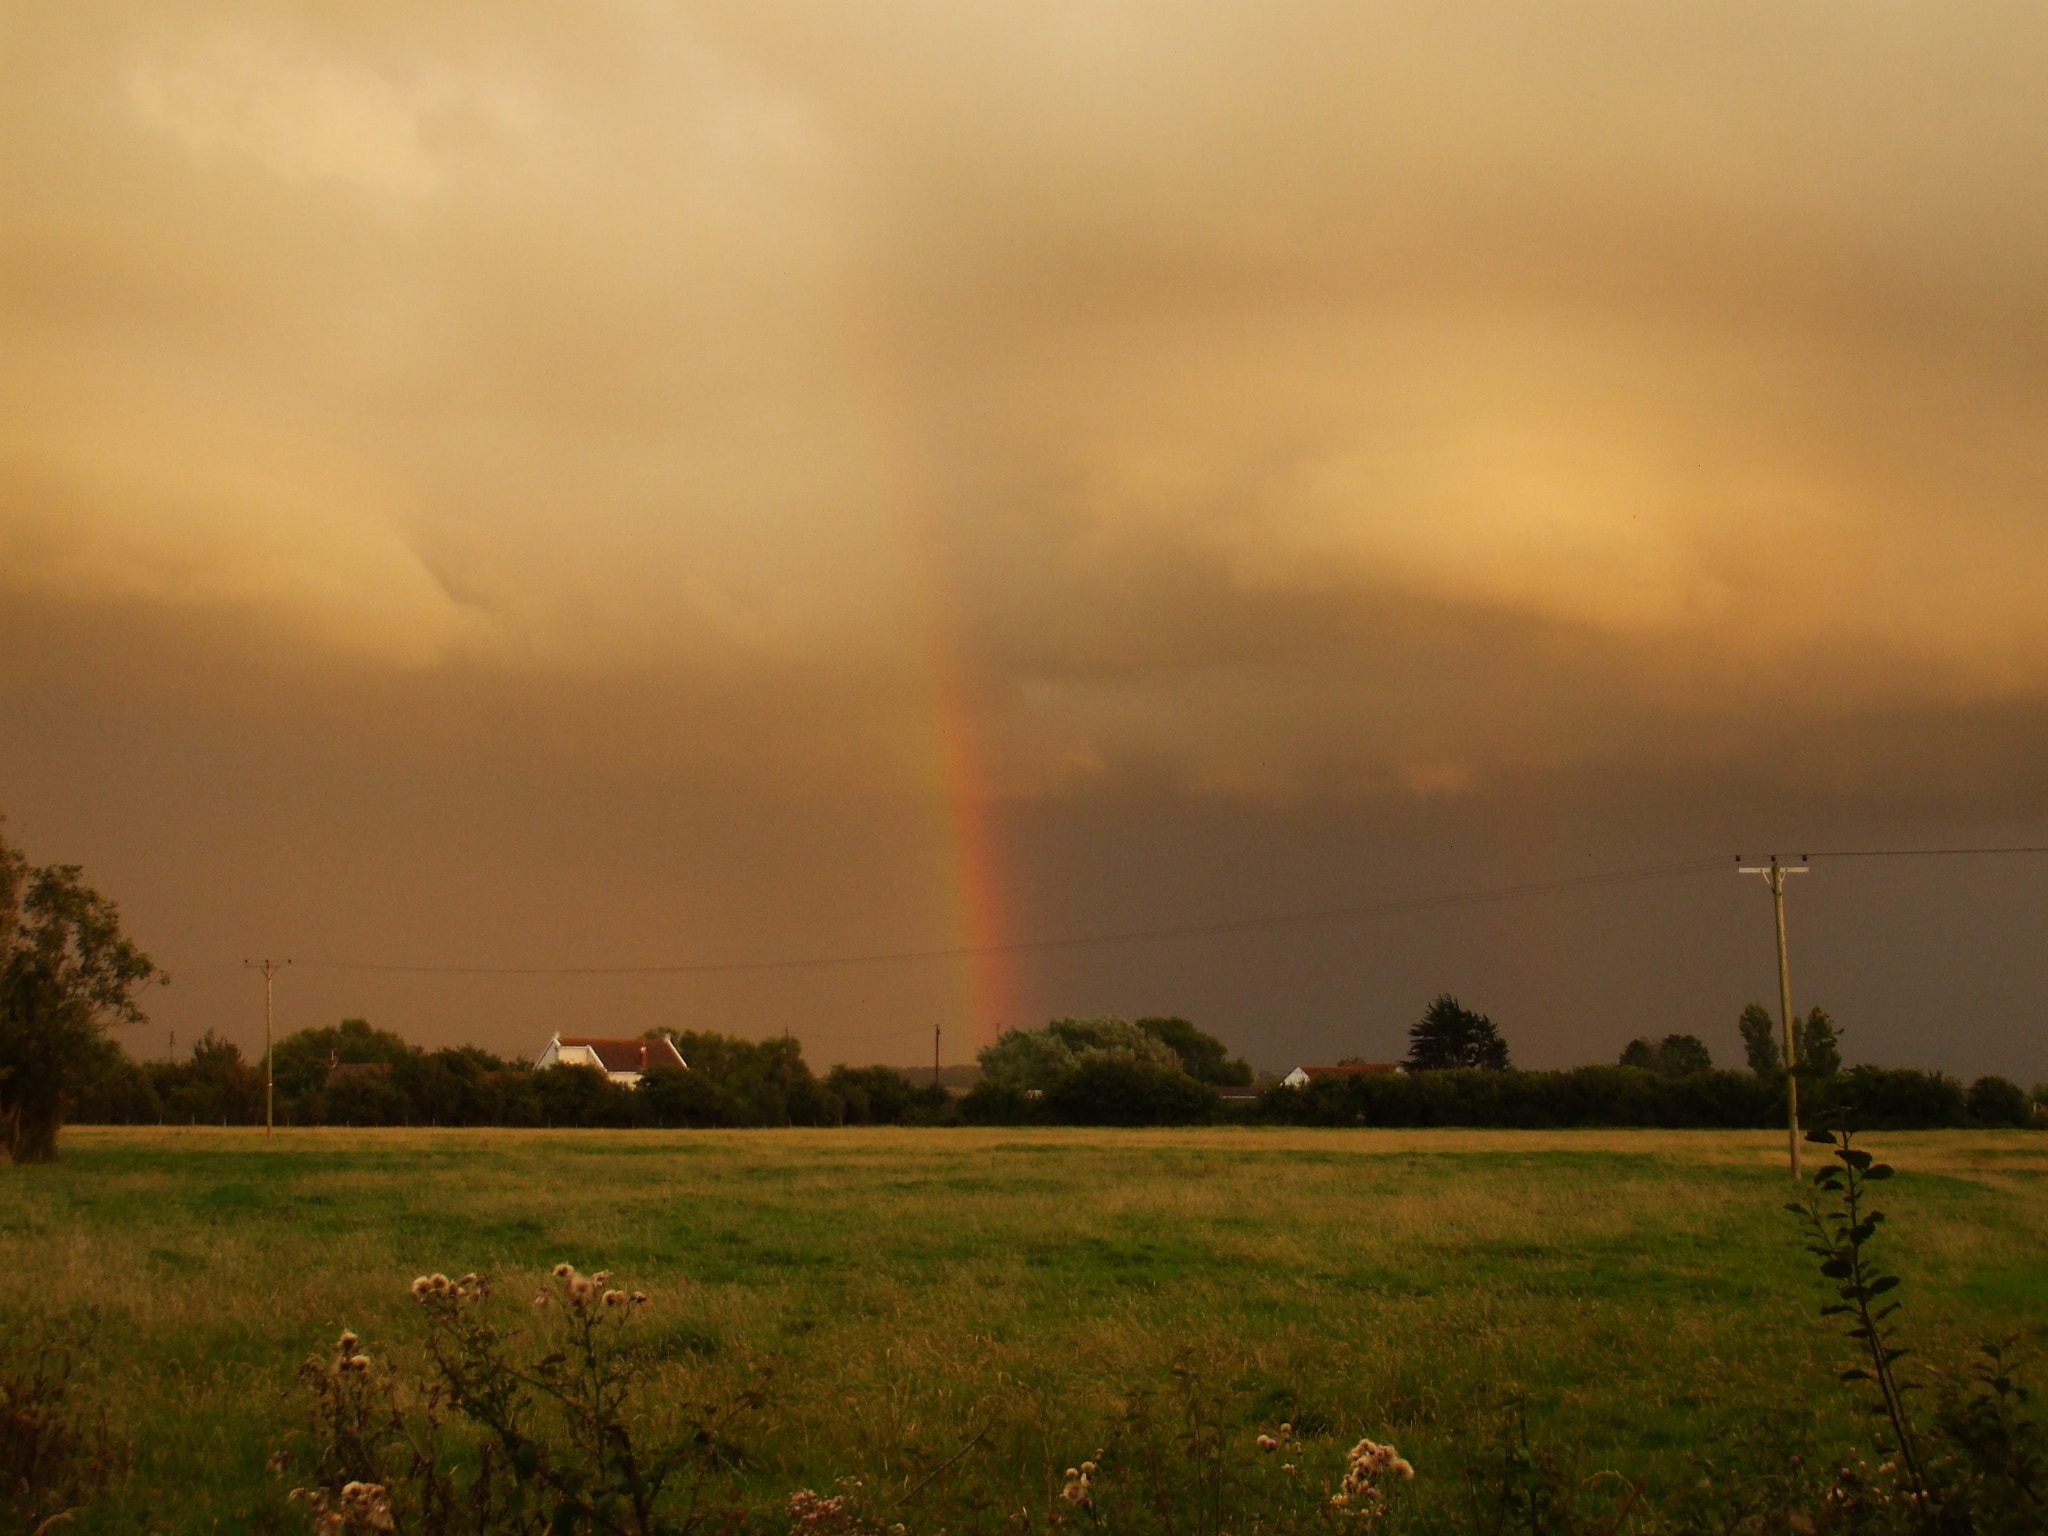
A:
x: 559, y: 1430
x: 56, y: 1452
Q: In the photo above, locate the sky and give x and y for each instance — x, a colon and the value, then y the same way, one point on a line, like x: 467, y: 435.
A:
x: 723, y: 485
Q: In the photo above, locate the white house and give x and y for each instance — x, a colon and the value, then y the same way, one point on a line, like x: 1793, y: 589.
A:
x: 1301, y: 1077
x: 622, y: 1060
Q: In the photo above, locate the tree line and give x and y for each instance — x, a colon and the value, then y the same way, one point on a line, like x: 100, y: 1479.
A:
x: 385, y: 1080
x: 68, y: 972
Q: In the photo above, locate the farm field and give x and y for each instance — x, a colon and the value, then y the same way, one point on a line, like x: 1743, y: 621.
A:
x: 956, y: 1316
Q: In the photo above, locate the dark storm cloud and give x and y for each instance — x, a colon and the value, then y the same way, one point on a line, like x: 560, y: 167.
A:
x: 1355, y: 407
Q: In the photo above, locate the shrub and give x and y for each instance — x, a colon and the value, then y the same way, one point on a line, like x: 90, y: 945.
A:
x: 122, y: 1095
x: 1584, y: 1096
x: 566, y: 1428
x: 369, y: 1099
x: 994, y: 1102
x: 214, y: 1086
x: 55, y: 1452
x: 1998, y: 1101
x: 582, y: 1096
x: 883, y: 1096
x: 673, y: 1099
x: 1890, y: 1099
x: 1113, y: 1090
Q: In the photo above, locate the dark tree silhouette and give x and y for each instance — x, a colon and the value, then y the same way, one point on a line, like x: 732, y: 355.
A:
x: 1760, y: 1041
x: 1820, y: 1046
x: 66, y: 972
x: 1449, y: 1035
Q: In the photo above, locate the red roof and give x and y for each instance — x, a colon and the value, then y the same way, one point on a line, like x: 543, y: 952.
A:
x: 629, y: 1055
x: 1355, y: 1069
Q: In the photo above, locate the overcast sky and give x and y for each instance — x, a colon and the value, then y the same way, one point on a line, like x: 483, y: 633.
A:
x: 485, y: 486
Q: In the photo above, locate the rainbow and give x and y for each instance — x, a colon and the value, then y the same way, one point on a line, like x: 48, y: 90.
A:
x: 976, y: 857
x: 964, y: 786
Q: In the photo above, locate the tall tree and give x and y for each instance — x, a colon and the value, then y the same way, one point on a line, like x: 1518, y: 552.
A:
x: 1820, y: 1045
x: 1674, y: 1056
x: 1760, y: 1041
x: 1202, y: 1056
x: 66, y: 973
x: 1683, y: 1055
x: 1450, y: 1035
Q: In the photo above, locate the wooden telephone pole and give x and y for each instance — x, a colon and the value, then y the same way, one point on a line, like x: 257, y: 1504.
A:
x: 269, y: 968
x: 1774, y: 874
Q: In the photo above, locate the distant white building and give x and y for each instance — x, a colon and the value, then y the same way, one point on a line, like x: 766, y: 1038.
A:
x: 1301, y: 1077
x: 621, y: 1060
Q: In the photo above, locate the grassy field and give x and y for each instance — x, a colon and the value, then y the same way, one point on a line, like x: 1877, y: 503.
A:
x: 1637, y: 1294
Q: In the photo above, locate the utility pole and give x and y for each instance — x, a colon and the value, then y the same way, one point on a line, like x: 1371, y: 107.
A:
x: 269, y: 968
x: 935, y: 1061
x: 1774, y: 875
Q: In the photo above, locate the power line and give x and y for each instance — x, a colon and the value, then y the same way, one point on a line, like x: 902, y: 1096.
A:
x: 1397, y: 908
x: 1911, y: 853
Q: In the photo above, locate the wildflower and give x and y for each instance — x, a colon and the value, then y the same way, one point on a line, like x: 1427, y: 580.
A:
x: 1077, y: 1490
x: 600, y: 1277
x: 366, y: 1504
x: 614, y: 1298
x: 356, y: 1363
x: 347, y: 1342
x: 1288, y: 1468
x: 581, y: 1290
x: 1286, y: 1431
x: 1087, y: 1469
x: 540, y: 1298
x: 564, y: 1271
x: 469, y: 1280
x: 423, y: 1287
x: 639, y: 1298
x: 1268, y: 1444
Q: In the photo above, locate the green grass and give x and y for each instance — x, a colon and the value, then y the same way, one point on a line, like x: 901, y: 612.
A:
x: 1641, y: 1291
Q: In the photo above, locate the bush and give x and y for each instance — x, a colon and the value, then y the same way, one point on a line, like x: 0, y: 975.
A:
x: 214, y: 1086
x: 1998, y: 1101
x: 1584, y: 1096
x: 371, y: 1099
x: 1889, y: 1099
x: 122, y: 1095
x: 582, y: 1096
x: 994, y: 1102
x: 674, y: 1099
x: 883, y: 1096
x: 55, y: 1451
x: 1114, y: 1090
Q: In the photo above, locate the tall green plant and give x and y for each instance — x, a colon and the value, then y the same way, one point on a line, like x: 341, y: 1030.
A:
x: 1842, y: 1227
